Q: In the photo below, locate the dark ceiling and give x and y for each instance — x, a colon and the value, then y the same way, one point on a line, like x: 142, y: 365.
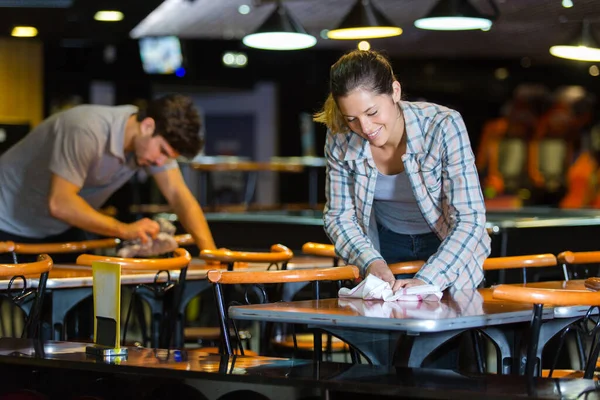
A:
x: 525, y: 28
x: 73, y: 20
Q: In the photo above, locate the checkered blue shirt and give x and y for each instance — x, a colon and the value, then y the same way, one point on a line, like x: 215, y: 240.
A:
x: 440, y: 164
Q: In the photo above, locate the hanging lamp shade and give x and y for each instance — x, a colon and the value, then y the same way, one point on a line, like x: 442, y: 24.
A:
x: 583, y: 48
x: 364, y: 21
x: 280, y: 31
x: 456, y: 15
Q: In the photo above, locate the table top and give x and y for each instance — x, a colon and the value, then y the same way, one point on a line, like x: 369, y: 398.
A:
x: 63, y: 357
x: 458, y: 310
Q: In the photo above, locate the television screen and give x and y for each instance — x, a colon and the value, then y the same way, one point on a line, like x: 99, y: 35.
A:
x: 161, y: 55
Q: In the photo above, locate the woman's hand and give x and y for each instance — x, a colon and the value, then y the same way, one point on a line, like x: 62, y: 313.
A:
x: 380, y: 269
x: 406, y: 283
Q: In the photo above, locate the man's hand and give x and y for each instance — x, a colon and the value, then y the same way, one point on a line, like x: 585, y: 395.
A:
x: 143, y: 229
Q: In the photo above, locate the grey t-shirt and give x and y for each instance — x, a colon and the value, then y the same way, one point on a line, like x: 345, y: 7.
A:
x: 395, y: 205
x: 85, y: 146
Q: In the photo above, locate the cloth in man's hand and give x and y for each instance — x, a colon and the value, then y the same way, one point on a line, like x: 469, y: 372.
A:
x: 374, y: 288
x: 163, y: 243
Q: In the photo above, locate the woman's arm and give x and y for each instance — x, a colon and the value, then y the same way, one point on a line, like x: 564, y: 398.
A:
x: 457, y: 260
x: 341, y: 225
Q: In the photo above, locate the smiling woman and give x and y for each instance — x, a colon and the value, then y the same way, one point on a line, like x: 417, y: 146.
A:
x: 401, y: 180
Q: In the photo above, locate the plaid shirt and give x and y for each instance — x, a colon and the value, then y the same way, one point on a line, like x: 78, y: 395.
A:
x: 441, y: 168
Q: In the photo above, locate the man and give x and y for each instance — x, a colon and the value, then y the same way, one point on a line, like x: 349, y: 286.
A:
x: 54, y: 180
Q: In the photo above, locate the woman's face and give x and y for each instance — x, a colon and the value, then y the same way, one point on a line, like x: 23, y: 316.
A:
x: 375, y: 117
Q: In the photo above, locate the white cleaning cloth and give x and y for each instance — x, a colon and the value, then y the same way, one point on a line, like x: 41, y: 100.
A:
x: 374, y: 288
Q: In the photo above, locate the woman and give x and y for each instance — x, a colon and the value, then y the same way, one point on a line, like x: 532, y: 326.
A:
x: 401, y: 180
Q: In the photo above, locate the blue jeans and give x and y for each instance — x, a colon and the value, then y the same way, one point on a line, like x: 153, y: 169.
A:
x: 396, y: 247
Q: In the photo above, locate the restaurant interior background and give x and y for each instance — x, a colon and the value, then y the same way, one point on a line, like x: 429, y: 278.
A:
x: 75, y: 59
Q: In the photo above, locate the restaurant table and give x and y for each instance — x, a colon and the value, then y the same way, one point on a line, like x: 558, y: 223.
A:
x: 63, y: 370
x: 68, y: 285
x: 375, y: 327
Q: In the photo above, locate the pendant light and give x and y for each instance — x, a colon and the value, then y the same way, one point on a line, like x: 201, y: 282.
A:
x: 280, y: 31
x: 583, y: 48
x: 456, y: 15
x: 364, y: 21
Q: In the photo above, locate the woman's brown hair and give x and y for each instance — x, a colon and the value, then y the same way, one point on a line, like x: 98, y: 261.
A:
x: 368, y: 70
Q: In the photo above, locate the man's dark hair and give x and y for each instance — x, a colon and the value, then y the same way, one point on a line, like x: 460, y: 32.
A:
x: 177, y: 121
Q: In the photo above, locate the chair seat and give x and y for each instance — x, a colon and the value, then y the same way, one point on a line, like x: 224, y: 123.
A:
x: 202, y: 351
x: 210, y: 333
x: 306, y: 342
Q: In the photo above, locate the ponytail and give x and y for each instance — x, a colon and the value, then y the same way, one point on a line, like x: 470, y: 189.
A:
x: 331, y: 116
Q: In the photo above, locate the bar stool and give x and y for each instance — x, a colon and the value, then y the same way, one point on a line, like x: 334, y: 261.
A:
x: 257, y: 279
x: 30, y: 300
x: 165, y: 316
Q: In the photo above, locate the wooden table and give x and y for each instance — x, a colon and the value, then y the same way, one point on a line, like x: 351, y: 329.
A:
x: 69, y: 284
x: 63, y: 370
x: 375, y: 327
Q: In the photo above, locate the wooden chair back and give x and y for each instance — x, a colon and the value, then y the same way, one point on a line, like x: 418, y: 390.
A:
x: 29, y: 299
x: 278, y: 253
x: 283, y: 276
x: 569, y: 258
x: 7, y: 247
x: 180, y: 260
x: 66, y: 247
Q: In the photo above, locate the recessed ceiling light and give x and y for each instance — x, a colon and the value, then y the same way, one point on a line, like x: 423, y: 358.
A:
x: 244, y: 9
x: 108, y: 16
x: 24, y: 31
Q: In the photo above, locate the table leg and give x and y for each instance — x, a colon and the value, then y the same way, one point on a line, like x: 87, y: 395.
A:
x: 412, y: 350
x: 377, y: 347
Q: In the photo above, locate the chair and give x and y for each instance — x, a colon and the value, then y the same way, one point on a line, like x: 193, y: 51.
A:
x: 320, y: 249
x: 278, y: 254
x: 155, y: 294
x: 570, y: 258
x: 29, y: 300
x: 220, y: 278
x: 556, y: 297
x: 63, y: 304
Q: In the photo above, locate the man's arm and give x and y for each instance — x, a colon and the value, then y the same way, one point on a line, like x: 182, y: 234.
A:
x: 185, y: 205
x: 66, y: 204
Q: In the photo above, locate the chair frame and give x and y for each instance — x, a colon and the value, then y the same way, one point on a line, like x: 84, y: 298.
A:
x: 557, y: 297
x: 154, y: 294
x: 18, y: 271
x: 220, y: 278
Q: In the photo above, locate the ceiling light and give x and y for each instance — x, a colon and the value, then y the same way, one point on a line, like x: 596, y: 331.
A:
x: 280, y: 32
x: 593, y: 70
x: 244, y: 9
x: 108, y: 16
x: 24, y: 31
x: 364, y: 45
x: 567, y: 3
x: 364, y: 21
x: 583, y: 48
x: 456, y: 15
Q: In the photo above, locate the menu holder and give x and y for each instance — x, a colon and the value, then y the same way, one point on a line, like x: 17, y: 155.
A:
x: 107, y: 311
